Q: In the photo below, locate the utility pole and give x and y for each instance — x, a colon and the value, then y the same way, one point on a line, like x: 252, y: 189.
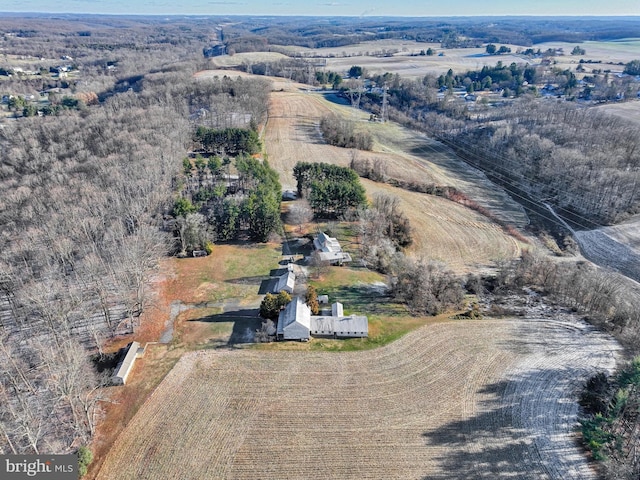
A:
x: 383, y: 113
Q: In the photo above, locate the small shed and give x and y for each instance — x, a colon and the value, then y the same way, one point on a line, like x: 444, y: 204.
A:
x: 123, y: 369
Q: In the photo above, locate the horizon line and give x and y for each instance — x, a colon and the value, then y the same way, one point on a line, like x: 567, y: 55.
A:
x: 182, y: 15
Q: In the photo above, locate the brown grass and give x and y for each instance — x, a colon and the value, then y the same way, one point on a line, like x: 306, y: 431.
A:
x: 444, y: 231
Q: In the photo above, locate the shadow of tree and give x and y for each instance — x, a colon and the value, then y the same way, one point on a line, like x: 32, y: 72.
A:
x: 523, y: 430
x: 245, y: 322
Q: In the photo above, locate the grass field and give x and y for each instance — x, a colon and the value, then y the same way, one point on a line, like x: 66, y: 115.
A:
x: 406, y: 62
x: 462, y: 399
x: 628, y: 110
x: 444, y: 231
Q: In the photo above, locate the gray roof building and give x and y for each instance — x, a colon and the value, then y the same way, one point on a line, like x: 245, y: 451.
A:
x: 329, y: 249
x: 294, y: 321
x: 125, y: 365
x: 285, y: 282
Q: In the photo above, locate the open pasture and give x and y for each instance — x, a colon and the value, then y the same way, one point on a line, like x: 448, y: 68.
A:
x: 292, y: 135
x: 628, y: 110
x: 463, y: 399
x: 405, y: 59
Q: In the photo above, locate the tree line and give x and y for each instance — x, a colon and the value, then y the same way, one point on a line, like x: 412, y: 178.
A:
x: 580, y: 160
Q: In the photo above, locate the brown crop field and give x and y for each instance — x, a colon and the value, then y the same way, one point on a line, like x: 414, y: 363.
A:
x: 443, y: 230
x: 629, y: 111
x: 462, y: 399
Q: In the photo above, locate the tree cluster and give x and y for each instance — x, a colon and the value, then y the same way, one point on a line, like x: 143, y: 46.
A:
x: 491, y: 49
x: 330, y: 189
x: 272, y: 305
x: 603, y: 297
x: 214, y: 207
x: 632, y: 68
x: 580, y: 160
x: 230, y: 141
x: 342, y: 133
x: 427, y: 288
x: 610, y: 420
x: 384, y: 230
x: 82, y: 198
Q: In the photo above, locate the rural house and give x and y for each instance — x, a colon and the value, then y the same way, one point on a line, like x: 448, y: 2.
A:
x: 285, y: 282
x: 295, y: 322
x: 329, y: 250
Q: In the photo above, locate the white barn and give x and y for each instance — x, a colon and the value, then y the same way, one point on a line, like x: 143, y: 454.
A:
x: 294, y: 322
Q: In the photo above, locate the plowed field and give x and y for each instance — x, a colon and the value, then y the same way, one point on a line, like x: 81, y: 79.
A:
x: 480, y: 399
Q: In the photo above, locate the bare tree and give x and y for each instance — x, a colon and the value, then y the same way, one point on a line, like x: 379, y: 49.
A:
x: 299, y: 213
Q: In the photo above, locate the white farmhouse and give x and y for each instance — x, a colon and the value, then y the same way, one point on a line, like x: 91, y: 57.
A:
x: 329, y: 249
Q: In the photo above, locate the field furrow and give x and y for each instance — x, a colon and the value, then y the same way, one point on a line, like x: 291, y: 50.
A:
x: 477, y: 399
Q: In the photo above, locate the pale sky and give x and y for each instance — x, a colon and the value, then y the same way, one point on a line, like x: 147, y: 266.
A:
x: 417, y: 8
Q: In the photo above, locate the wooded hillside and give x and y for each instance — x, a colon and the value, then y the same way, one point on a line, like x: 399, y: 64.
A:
x: 83, y: 200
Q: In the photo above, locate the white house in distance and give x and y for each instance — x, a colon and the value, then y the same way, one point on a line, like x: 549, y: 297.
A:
x: 295, y: 322
x: 329, y: 250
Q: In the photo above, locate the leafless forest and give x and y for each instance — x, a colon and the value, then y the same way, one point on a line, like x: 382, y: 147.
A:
x: 82, y: 199
x: 86, y: 187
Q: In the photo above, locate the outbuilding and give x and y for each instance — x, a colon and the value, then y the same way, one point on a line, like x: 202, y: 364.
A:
x: 294, y: 322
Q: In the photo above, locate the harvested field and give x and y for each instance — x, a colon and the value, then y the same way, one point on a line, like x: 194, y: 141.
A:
x: 405, y: 61
x: 628, y: 110
x: 444, y: 231
x: 464, y: 399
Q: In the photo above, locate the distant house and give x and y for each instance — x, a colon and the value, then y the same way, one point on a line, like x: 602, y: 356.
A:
x: 296, y: 323
x: 329, y: 250
x: 122, y: 371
